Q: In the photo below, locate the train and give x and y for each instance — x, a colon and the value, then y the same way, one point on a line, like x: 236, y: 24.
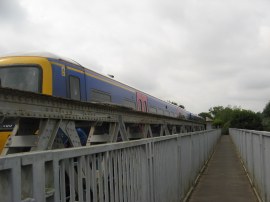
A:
x: 50, y: 74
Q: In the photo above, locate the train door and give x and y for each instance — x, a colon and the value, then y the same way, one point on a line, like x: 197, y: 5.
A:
x: 142, y: 102
x: 75, y: 80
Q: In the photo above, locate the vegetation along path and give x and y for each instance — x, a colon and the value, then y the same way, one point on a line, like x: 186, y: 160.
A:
x: 224, y: 179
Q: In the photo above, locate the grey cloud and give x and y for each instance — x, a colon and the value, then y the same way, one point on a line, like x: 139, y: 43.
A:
x: 197, y: 53
x: 258, y: 84
x: 11, y: 11
x: 254, y: 80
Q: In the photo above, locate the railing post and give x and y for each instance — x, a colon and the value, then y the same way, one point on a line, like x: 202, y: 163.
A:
x: 262, y: 160
x: 16, y: 181
x: 180, y: 196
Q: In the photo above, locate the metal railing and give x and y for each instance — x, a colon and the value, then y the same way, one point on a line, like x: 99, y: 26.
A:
x: 154, y: 169
x: 254, y: 149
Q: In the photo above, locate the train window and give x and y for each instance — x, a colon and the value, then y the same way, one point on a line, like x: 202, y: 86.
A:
x: 27, y: 78
x: 75, y: 91
x: 129, y: 104
x: 100, y: 96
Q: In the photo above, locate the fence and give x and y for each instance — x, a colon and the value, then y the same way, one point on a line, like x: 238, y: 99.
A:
x: 254, y: 149
x: 154, y: 169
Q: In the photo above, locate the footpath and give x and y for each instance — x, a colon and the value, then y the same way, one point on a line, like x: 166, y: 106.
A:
x: 224, y: 179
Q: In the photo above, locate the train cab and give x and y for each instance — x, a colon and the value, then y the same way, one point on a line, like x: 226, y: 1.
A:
x: 43, y: 73
x: 27, y: 73
x: 49, y: 74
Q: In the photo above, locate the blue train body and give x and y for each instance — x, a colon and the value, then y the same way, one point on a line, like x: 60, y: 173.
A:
x: 95, y: 87
x: 68, y: 79
x: 52, y: 75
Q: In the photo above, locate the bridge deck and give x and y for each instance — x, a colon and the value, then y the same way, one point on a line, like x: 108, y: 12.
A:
x: 224, y: 179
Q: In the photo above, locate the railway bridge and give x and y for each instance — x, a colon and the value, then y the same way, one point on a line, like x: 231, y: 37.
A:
x: 126, y: 155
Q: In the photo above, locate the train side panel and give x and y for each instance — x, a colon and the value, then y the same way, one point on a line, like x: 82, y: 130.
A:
x: 68, y: 80
x: 102, y: 89
x: 95, y: 87
x: 157, y: 106
x: 59, y: 80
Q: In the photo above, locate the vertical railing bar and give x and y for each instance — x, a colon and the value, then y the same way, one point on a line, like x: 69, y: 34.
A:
x: 262, y: 159
x: 16, y: 180
x: 56, y: 179
x: 179, y: 168
x: 80, y: 178
x: 124, y: 174
x: 208, y: 147
x: 132, y: 173
x: 127, y: 161
x: 191, y: 161
x: 157, y: 171
x: 138, y: 180
x: 136, y: 170
x: 39, y: 181
x: 111, y: 176
x: 116, y: 172
x: 139, y: 174
x: 142, y: 158
x: 94, y: 177
x: 119, y: 157
x: 88, y: 179
x: 106, y: 176
x: 62, y: 181
x: 100, y: 177
x: 71, y: 179
x: 150, y: 155
x: 149, y: 171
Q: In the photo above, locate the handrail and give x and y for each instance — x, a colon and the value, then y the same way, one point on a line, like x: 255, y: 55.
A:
x: 254, y: 150
x: 153, y: 169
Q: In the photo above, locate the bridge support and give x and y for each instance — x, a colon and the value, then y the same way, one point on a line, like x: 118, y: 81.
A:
x: 43, y: 122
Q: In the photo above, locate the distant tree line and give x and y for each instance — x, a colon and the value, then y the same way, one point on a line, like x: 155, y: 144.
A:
x: 235, y: 117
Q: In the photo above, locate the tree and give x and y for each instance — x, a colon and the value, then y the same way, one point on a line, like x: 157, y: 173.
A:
x: 205, y: 114
x: 266, y: 117
x: 235, y: 117
x: 266, y: 110
x: 246, y: 119
x: 216, y: 110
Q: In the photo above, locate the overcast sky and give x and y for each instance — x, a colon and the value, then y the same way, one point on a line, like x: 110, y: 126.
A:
x: 199, y: 53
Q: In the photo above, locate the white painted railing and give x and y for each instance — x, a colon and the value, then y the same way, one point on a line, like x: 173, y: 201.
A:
x: 154, y: 169
x: 254, y: 149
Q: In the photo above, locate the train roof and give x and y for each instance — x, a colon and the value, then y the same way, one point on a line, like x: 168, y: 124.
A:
x: 41, y: 54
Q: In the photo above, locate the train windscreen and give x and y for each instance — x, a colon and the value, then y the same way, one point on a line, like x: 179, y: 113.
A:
x: 27, y: 78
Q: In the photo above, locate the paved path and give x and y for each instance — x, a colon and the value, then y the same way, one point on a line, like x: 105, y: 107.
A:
x: 224, y: 179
